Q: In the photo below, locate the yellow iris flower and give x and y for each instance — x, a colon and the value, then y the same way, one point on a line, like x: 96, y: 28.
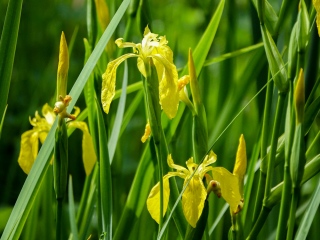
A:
x: 41, y: 127
x: 153, y: 47
x: 316, y: 4
x: 195, y: 194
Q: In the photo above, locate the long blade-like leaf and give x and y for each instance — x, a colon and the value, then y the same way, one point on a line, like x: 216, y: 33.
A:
x: 112, y: 144
x: 34, y: 179
x: 308, y: 216
x: 8, y: 44
x: 105, y: 176
x: 2, y: 119
x: 72, y: 211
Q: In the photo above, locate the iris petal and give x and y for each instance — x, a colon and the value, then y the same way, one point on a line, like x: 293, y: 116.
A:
x: 193, y: 200
x: 109, y: 81
x: 168, y: 86
x: 88, y: 154
x: 28, y: 150
x: 229, y: 186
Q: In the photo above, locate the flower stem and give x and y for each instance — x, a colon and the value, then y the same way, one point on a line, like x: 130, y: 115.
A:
x: 286, y: 192
x: 274, y: 142
x: 264, y: 145
x: 259, y: 223
x: 59, y: 219
x: 292, y: 218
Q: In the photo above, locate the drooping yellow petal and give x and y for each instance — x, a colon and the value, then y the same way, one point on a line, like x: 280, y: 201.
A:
x: 168, y: 86
x: 316, y: 4
x: 153, y: 201
x: 141, y: 67
x: 229, y: 186
x: 109, y: 81
x: 48, y: 113
x: 193, y: 200
x: 88, y: 154
x: 177, y: 167
x: 28, y: 150
x: 241, y: 159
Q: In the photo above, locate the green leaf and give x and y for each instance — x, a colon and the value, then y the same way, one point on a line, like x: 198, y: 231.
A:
x: 132, y: 108
x: 310, y: 114
x: 2, y: 120
x: 204, y: 45
x: 34, y: 179
x: 72, y: 211
x: 105, y: 176
x: 8, y: 44
x: 232, y: 54
x: 137, y: 196
x: 309, y: 214
x: 112, y: 144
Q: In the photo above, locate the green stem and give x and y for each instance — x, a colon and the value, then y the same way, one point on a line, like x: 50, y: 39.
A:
x: 259, y: 223
x: 312, y: 145
x: 264, y: 146
x: 294, y: 203
x: 59, y: 220
x: 274, y: 143
x: 286, y: 192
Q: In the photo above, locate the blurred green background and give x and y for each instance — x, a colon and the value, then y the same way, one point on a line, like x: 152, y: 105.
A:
x: 183, y: 22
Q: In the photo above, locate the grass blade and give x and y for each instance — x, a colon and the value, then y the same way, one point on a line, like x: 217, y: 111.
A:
x: 8, y: 44
x: 34, y: 179
x: 72, y: 211
x: 232, y: 54
x: 112, y: 144
x: 129, y: 113
x: 2, y: 119
x: 105, y: 177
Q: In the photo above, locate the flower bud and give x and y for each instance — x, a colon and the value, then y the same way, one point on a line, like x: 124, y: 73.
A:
x: 299, y: 98
x: 303, y: 27
x: 63, y: 67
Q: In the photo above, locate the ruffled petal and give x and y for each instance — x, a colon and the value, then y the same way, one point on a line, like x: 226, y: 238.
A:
x: 177, y: 167
x: 109, y: 81
x: 229, y: 186
x: 48, y: 113
x: 28, y: 150
x: 168, y: 86
x: 88, y: 154
x: 193, y: 200
x: 153, y: 201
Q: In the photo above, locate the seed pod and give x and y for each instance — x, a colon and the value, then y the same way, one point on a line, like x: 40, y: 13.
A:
x: 298, y: 159
x: 60, y: 163
x: 292, y: 52
x: 275, y: 61
x: 303, y: 27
